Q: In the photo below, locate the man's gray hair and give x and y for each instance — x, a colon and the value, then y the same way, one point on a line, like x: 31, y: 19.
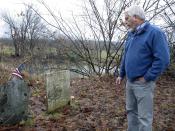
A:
x: 136, y: 10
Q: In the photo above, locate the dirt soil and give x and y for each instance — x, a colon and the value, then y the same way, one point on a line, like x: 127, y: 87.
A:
x: 98, y: 105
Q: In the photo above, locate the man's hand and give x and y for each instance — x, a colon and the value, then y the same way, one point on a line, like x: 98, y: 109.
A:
x: 142, y: 79
x: 118, y: 80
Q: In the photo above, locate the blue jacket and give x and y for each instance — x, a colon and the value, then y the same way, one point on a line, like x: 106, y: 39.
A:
x: 146, y: 53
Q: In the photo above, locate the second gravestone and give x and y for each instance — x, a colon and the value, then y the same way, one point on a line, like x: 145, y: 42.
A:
x: 58, y: 89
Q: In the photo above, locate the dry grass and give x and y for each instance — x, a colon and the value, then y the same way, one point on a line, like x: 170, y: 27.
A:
x: 5, y: 75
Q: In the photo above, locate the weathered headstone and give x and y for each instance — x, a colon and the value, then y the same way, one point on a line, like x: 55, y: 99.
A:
x: 58, y: 89
x: 14, y: 98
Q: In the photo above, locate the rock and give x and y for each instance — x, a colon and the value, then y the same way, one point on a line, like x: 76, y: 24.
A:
x: 58, y: 89
x: 3, y: 98
x: 14, y: 99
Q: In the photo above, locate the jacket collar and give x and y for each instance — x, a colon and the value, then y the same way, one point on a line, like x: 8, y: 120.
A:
x: 140, y: 29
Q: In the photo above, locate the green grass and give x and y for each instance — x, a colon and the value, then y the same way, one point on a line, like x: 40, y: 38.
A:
x: 51, y: 50
x: 104, y: 54
x: 7, y: 50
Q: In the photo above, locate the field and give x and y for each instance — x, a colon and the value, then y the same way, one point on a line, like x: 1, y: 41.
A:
x: 99, y: 105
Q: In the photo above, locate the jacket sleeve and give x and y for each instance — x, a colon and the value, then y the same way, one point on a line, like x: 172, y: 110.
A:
x: 122, y: 66
x: 161, y: 56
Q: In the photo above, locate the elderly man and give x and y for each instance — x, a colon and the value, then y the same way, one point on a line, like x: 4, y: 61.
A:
x: 146, y: 56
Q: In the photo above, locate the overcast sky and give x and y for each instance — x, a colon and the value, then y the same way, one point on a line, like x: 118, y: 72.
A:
x: 66, y: 7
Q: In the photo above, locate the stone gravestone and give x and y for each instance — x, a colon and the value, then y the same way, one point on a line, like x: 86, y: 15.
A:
x: 58, y: 89
x: 14, y: 96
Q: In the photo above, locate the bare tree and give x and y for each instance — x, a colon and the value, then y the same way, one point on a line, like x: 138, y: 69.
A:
x: 25, y: 30
x: 169, y: 16
x: 97, y: 41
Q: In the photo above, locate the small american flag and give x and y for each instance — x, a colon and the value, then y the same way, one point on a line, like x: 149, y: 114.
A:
x: 18, y: 70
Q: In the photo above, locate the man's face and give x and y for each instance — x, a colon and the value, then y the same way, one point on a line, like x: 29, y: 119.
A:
x: 130, y: 21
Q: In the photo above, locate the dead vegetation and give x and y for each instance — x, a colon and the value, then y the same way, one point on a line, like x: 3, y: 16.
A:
x: 98, y: 105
